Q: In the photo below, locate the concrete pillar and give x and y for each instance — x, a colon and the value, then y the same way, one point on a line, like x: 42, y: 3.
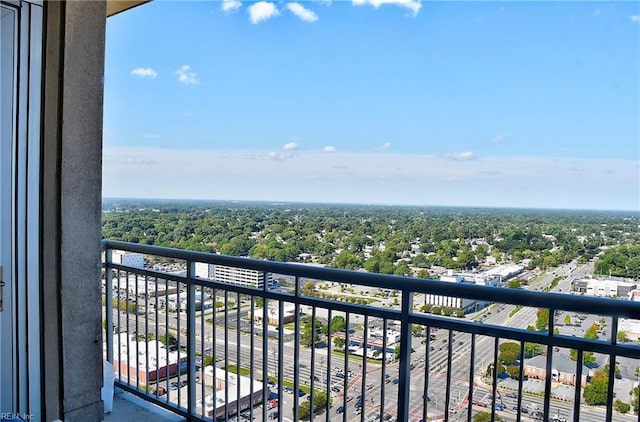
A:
x: 71, y: 188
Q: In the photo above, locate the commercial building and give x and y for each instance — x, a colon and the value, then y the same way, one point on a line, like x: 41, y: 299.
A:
x: 273, y: 315
x: 604, y: 287
x: 233, y: 275
x: 179, y: 300
x: 142, y: 361
x: 130, y: 259
x: 464, y: 304
x: 225, y: 399
x: 505, y: 272
x: 631, y: 327
x: 563, y: 369
x: 141, y: 287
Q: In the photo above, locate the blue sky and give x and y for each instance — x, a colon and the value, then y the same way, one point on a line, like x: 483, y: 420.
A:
x: 519, y: 104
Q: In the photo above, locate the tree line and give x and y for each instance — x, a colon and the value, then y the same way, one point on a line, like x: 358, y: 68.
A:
x: 387, y: 240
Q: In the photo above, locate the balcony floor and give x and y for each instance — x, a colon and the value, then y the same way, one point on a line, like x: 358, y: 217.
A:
x: 127, y: 407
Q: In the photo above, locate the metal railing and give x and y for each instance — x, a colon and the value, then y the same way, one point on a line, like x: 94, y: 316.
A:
x: 210, y: 349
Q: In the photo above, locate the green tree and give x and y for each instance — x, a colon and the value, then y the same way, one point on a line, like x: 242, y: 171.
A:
x: 304, y: 410
x: 339, y: 342
x: 417, y: 329
x: 514, y: 283
x: 622, y: 336
x: 621, y: 406
x: 509, y: 352
x: 592, y: 332
x: 596, y: 392
x: 532, y: 349
x: 423, y: 273
x: 310, y: 332
x: 588, y: 358
x: 308, y: 288
x: 168, y: 341
x: 513, y: 371
x: 207, y: 361
x: 319, y: 401
x: 543, y: 319
x: 338, y: 323
x: 567, y: 319
x: 616, y: 371
x: 634, y: 401
x: 426, y: 308
x: 259, y: 302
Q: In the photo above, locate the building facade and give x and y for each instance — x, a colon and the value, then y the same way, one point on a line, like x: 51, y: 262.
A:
x: 234, y: 275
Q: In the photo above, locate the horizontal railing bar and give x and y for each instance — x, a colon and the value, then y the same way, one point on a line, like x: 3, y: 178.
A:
x: 574, y: 303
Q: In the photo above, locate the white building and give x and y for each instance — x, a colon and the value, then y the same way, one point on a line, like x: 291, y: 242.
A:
x: 225, y: 396
x: 142, y: 360
x: 604, y: 287
x: 378, y: 335
x: 179, y: 300
x: 233, y: 275
x: 630, y: 326
x: 505, y: 272
x: 466, y: 305
x: 130, y: 259
x: 142, y: 287
x: 273, y: 314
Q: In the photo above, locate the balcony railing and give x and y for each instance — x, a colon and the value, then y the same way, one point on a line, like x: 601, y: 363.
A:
x: 354, y: 345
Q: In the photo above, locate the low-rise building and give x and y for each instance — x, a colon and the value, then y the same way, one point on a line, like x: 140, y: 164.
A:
x: 143, y: 361
x: 233, y: 275
x: 563, y: 369
x: 273, y: 315
x: 130, y: 259
x: 505, y: 272
x: 225, y: 399
x: 604, y: 287
x: 464, y: 304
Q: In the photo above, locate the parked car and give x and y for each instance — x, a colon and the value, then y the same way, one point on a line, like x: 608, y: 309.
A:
x: 340, y: 409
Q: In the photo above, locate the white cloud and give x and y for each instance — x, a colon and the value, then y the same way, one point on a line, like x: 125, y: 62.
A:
x: 497, y: 139
x: 187, y: 77
x: 229, y: 6
x: 383, y: 147
x: 289, y: 146
x: 461, y: 156
x: 144, y: 72
x: 262, y: 11
x: 302, y: 12
x: 127, y: 160
x: 413, y: 5
x: 329, y: 148
x: 371, y: 178
x: 272, y: 155
x: 635, y: 18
